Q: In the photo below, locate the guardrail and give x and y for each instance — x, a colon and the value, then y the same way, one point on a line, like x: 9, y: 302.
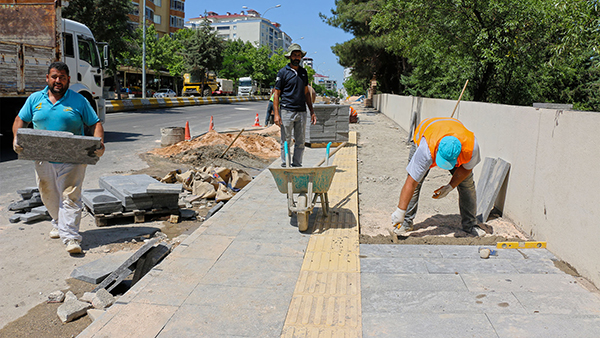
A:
x: 113, y: 106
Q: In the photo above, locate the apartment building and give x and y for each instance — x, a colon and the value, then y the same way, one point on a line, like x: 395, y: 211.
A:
x: 324, y: 80
x: 166, y: 15
x: 248, y: 26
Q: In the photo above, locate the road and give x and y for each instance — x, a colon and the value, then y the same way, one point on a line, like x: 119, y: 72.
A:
x: 128, y: 134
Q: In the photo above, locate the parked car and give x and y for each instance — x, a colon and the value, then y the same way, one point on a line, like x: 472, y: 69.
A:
x: 165, y: 92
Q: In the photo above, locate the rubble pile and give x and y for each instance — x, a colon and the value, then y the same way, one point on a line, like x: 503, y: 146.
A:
x: 30, y: 208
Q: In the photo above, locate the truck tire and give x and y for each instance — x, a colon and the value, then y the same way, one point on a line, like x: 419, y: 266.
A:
x: 206, y: 92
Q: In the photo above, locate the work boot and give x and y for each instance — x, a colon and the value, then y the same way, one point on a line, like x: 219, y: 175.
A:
x: 54, y: 233
x: 73, y: 246
x: 476, y: 231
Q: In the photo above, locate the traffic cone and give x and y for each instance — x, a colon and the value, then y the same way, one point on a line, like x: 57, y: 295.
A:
x: 211, y: 126
x: 256, y: 121
x: 187, y: 131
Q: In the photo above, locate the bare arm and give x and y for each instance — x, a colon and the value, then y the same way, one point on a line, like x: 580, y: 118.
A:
x: 407, y: 191
x: 277, y: 117
x: 459, y: 175
x: 18, y: 123
x: 308, y: 98
x: 99, y: 132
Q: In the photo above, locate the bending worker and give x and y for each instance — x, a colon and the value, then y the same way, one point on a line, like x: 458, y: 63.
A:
x: 444, y: 142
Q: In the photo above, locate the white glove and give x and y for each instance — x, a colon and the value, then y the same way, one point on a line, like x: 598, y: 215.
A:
x: 16, y: 147
x: 398, y: 217
x: 442, y: 192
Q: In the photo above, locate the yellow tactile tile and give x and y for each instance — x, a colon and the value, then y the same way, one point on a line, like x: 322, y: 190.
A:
x: 326, y: 300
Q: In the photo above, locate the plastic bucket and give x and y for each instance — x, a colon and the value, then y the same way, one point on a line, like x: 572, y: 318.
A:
x: 171, y: 135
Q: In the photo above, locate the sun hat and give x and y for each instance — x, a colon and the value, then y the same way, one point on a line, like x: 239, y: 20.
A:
x: 448, y: 151
x: 292, y: 48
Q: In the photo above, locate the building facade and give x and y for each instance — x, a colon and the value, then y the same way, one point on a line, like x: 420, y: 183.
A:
x: 249, y: 27
x: 324, y: 80
x: 166, y: 15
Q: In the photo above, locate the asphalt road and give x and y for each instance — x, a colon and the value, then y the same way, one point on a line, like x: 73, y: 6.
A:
x: 128, y: 134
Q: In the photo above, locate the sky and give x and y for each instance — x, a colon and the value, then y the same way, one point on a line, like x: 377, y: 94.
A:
x: 299, y: 19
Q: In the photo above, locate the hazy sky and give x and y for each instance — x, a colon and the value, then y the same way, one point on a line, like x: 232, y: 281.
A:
x: 299, y: 19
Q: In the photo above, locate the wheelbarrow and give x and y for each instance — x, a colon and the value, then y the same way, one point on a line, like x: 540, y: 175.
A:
x: 306, y: 184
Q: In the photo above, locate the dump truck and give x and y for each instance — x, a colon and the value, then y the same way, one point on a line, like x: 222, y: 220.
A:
x: 225, y: 87
x: 34, y: 35
x: 201, y: 86
x: 247, y: 86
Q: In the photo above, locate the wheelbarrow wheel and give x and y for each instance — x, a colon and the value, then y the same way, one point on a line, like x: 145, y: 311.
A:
x: 302, y: 216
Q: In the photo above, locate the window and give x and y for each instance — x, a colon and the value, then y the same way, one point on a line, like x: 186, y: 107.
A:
x: 234, y: 35
x: 68, y: 44
x: 149, y: 14
x: 158, y: 3
x: 222, y: 28
x: 136, y: 9
x: 157, y: 19
x: 234, y: 27
x: 87, y: 51
x: 175, y: 21
x: 177, y: 5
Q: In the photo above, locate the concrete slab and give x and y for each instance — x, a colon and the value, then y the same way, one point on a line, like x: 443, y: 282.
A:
x: 561, y: 303
x: 94, y: 272
x: 541, y: 326
x: 414, y: 282
x: 488, y: 187
x: 399, y: 251
x: 396, y: 266
x: 56, y: 146
x: 522, y: 282
x: 481, y: 266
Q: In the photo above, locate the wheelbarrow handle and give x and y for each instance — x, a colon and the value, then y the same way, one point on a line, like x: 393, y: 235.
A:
x: 332, y: 153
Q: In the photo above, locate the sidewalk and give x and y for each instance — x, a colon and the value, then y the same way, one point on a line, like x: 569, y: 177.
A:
x: 248, y: 272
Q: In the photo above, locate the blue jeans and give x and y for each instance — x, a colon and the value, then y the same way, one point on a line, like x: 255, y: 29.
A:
x: 293, y: 122
x: 269, y: 118
x: 467, y: 200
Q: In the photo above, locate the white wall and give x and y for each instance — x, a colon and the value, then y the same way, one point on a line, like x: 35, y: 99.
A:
x: 554, y: 181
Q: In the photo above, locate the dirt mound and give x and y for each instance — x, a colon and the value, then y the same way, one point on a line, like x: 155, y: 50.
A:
x: 236, y: 158
x: 261, y: 145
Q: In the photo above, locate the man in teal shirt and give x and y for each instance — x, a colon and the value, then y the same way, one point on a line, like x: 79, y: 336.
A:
x: 58, y: 108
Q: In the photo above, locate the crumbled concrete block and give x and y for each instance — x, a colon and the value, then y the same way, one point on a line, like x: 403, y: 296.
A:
x: 27, y: 192
x: 102, y: 299
x: 56, y: 297
x: 34, y: 201
x: 57, y: 146
x: 70, y: 296
x: 72, y: 309
x: 95, y: 313
x: 94, y: 272
x: 15, y: 218
x: 87, y: 297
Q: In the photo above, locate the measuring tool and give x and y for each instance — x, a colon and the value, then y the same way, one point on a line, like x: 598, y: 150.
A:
x: 520, y: 245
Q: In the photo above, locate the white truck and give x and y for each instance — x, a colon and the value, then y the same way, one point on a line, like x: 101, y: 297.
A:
x: 225, y: 87
x: 247, y: 86
x: 32, y: 36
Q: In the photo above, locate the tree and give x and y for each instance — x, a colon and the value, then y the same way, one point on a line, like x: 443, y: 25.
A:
x: 235, y: 61
x: 356, y: 87
x: 202, y: 51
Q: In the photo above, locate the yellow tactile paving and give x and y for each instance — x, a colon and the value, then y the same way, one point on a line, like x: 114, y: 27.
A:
x: 326, y: 301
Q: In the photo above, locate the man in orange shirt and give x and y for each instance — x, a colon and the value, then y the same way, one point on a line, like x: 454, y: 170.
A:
x: 446, y: 143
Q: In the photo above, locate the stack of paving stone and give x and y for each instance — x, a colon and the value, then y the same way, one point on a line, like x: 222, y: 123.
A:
x: 30, y: 208
x: 142, y: 192
x: 332, y: 124
x: 101, y: 201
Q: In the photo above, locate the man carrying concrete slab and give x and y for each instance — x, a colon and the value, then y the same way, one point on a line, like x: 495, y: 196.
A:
x: 58, y: 108
x: 445, y: 142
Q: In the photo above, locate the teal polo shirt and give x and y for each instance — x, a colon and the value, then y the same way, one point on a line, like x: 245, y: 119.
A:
x: 71, y: 113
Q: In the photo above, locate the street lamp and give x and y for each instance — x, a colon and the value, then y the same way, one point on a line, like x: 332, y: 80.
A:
x: 265, y: 13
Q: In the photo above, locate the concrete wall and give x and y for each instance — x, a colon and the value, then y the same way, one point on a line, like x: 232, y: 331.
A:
x: 551, y: 188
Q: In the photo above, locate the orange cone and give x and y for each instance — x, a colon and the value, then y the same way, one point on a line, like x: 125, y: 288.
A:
x: 211, y: 126
x: 187, y: 131
x: 256, y: 121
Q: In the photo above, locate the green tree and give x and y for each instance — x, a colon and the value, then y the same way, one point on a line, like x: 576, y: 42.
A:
x: 235, y: 61
x: 356, y: 87
x: 202, y: 51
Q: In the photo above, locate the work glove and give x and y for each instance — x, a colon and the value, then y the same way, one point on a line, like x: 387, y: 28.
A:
x: 398, y: 217
x: 16, y: 147
x: 100, y: 151
x: 442, y: 192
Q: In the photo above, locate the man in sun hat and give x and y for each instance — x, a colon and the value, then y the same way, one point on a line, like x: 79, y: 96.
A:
x: 446, y: 143
x: 292, y: 95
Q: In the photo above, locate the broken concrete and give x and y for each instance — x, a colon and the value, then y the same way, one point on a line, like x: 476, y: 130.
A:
x: 72, y: 309
x: 95, y: 272
x: 102, y: 299
x: 95, y: 313
x: 27, y: 192
x: 30, y: 217
x: 57, y: 146
x: 56, y: 297
x: 28, y: 204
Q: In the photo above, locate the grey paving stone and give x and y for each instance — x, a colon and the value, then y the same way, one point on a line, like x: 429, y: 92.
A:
x: 393, y: 266
x: 560, y: 303
x: 218, y: 296
x: 260, y: 278
x: 534, y: 253
x: 522, y: 282
x: 413, y: 282
x: 26, y: 193
x: 34, y: 201
x: 426, y: 325
x: 94, y: 272
x: 40, y: 210
x: 101, y: 201
x: 243, y: 247
x: 15, y: 218
x: 481, y: 266
x: 56, y: 146
x: 541, y: 266
x: 399, y: 251
x: 216, y: 322
x: 290, y: 235
x: 411, y: 302
x: 29, y: 217
x: 492, y: 177
x: 209, y: 247
x: 539, y: 325
x: 164, y: 188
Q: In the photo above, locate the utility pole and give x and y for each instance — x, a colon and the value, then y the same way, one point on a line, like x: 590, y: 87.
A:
x: 144, y: 51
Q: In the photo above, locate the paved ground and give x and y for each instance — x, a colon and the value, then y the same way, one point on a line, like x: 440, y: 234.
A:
x: 248, y: 272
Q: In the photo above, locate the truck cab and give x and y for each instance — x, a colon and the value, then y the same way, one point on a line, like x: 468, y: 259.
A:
x: 246, y: 86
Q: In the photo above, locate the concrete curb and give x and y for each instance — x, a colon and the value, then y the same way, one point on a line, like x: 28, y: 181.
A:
x: 114, y: 106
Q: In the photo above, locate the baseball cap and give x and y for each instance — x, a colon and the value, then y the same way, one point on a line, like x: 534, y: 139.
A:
x: 448, y: 151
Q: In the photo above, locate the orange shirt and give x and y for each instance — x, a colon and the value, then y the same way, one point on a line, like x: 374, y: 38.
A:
x: 434, y: 129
